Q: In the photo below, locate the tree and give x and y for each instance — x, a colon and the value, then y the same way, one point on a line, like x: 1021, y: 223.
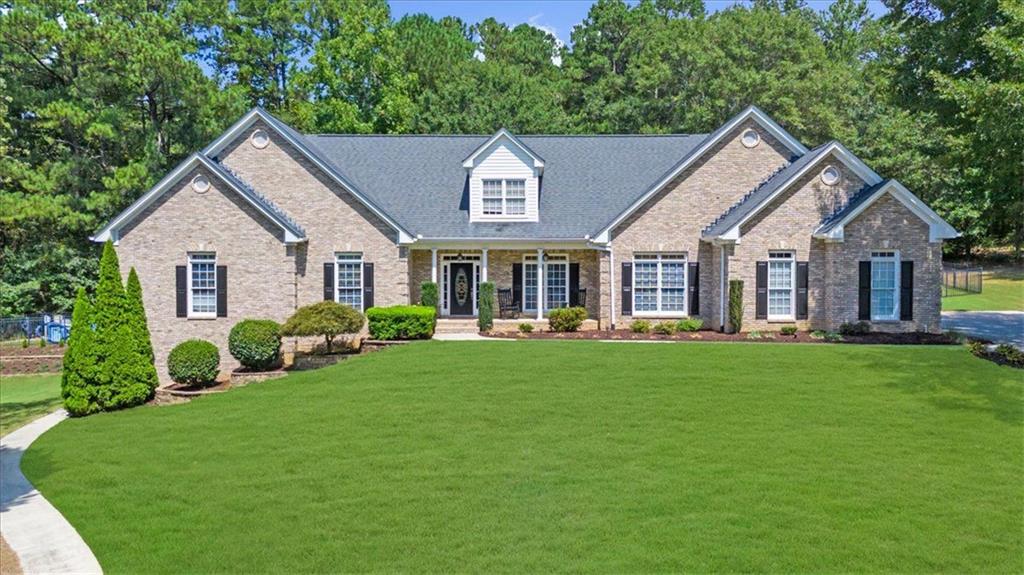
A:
x: 137, y: 315
x: 136, y: 377
x: 78, y: 387
x: 326, y: 319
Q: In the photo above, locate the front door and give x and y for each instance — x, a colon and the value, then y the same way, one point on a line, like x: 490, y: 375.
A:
x: 460, y: 284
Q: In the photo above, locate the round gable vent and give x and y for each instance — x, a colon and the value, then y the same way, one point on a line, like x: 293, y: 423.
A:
x: 831, y: 176
x: 200, y: 184
x: 260, y: 139
x: 750, y: 138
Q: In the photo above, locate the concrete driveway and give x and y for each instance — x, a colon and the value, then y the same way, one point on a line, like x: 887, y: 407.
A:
x: 996, y: 326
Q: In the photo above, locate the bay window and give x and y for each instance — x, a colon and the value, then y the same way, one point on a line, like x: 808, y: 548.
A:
x: 659, y: 284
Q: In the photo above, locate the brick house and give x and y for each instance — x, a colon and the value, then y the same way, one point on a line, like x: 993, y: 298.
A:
x: 266, y: 219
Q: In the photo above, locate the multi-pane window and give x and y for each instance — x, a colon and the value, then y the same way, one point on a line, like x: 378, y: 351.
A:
x: 781, y: 284
x: 884, y: 283
x: 556, y: 282
x: 659, y: 284
x: 504, y: 197
x: 349, y: 268
x: 202, y: 288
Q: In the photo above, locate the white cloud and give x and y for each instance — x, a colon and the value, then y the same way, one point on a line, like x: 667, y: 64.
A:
x: 535, y: 22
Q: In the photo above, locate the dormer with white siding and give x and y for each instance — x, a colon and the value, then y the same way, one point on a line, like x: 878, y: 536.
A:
x: 504, y: 181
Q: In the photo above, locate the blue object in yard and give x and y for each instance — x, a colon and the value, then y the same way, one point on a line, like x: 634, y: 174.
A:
x: 56, y: 332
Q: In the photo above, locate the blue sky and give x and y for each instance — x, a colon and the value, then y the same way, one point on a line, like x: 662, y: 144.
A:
x: 556, y: 16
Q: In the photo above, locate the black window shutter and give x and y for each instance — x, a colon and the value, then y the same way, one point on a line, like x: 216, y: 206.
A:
x: 329, y: 281
x: 180, y: 290
x: 694, y: 281
x: 906, y: 291
x: 574, y: 284
x: 627, y: 288
x: 864, y: 291
x: 517, y: 284
x: 222, y: 291
x: 761, y: 309
x: 801, y: 290
x: 367, y: 286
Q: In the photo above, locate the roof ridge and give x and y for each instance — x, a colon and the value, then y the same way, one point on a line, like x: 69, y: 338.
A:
x: 747, y: 195
x: 674, y: 135
x: 260, y: 197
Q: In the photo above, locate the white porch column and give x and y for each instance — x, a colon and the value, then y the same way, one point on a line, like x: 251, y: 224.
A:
x: 540, y: 284
x: 483, y: 266
x: 433, y: 265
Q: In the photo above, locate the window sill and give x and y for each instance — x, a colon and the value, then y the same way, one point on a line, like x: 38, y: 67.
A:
x: 660, y: 315
x: 201, y: 317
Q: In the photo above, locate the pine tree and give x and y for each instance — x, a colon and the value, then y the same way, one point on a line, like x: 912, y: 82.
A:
x: 77, y: 381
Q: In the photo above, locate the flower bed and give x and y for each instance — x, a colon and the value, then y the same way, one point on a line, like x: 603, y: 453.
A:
x: 769, y: 337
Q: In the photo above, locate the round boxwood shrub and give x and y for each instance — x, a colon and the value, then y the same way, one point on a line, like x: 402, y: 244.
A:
x: 256, y: 343
x: 194, y: 362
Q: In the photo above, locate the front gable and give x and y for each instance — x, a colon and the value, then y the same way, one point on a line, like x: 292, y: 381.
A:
x: 833, y: 228
x: 504, y: 170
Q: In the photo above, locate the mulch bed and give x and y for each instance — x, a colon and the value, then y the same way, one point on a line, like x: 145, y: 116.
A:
x: 17, y: 360
x: 800, y: 337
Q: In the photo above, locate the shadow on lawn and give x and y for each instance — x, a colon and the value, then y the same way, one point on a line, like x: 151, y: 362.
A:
x: 962, y: 392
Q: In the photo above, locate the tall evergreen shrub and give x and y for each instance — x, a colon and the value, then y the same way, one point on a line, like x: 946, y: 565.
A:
x: 135, y: 378
x: 428, y: 294
x: 137, y: 315
x: 486, y: 318
x: 108, y: 317
x: 77, y: 386
x: 735, y: 305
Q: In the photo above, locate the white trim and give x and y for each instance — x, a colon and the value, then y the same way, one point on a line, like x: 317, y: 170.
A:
x: 218, y: 145
x: 938, y: 228
x: 112, y: 230
x: 470, y: 161
x: 503, y: 198
x: 897, y: 286
x: 789, y: 257
x: 752, y: 112
x: 191, y: 313
x: 548, y: 259
x: 339, y: 258
x: 835, y: 148
x: 446, y: 300
x: 660, y: 259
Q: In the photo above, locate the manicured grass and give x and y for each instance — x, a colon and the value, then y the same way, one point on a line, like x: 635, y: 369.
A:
x: 1001, y: 291
x: 27, y: 397
x: 564, y: 456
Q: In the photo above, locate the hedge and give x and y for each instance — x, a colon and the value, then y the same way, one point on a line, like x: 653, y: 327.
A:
x: 401, y: 322
x: 256, y: 343
x: 194, y: 362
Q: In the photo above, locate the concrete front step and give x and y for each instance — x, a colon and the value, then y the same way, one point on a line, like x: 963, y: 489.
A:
x: 448, y: 326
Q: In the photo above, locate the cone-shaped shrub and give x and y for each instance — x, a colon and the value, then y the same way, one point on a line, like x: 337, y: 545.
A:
x: 135, y: 377
x: 77, y: 387
x: 137, y: 315
x: 109, y: 313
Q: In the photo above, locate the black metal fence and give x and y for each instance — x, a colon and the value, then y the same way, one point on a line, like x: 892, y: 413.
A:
x: 961, y: 281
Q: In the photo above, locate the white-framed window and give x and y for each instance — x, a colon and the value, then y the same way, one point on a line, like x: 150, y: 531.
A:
x: 348, y: 269
x: 504, y: 197
x: 556, y: 282
x: 660, y: 284
x: 781, y: 285
x: 202, y: 285
x: 885, y: 283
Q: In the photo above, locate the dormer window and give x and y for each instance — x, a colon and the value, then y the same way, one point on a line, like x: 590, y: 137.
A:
x: 504, y: 197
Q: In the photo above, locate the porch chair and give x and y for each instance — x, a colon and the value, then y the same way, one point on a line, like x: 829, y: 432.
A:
x: 506, y: 305
x: 581, y: 298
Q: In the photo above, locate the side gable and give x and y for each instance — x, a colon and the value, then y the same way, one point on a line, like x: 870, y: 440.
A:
x: 297, y: 141
x: 833, y: 227
x: 728, y: 226
x: 752, y: 113
x: 292, y: 232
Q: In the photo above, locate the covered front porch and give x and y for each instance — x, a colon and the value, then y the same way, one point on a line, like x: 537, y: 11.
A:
x: 534, y: 280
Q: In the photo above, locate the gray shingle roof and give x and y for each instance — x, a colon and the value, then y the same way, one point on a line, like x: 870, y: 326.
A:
x: 760, y: 194
x: 420, y: 181
x: 276, y: 213
x: 859, y: 198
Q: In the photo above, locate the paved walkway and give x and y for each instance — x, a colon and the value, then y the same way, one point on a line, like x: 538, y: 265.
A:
x: 467, y: 337
x: 40, y: 536
x: 997, y: 326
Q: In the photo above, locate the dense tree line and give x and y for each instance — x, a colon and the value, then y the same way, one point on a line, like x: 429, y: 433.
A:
x: 100, y: 99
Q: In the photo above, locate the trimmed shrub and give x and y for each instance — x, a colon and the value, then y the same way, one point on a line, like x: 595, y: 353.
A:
x: 833, y: 337
x: 735, y: 306
x: 640, y: 326
x: 1010, y: 355
x: 486, y: 317
x: 758, y: 335
x: 401, y: 322
x: 665, y: 328
x: 326, y: 319
x: 788, y: 330
x: 77, y: 384
x: 690, y: 324
x: 428, y: 294
x: 256, y: 343
x: 194, y: 362
x: 526, y: 327
x: 977, y: 348
x: 137, y: 315
x: 566, y: 318
x: 855, y: 328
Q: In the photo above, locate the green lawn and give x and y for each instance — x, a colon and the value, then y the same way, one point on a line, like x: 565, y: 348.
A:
x: 564, y: 456
x: 26, y: 397
x: 1000, y: 291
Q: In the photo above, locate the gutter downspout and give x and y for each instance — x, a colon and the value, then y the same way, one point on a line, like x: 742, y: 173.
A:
x: 721, y: 274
